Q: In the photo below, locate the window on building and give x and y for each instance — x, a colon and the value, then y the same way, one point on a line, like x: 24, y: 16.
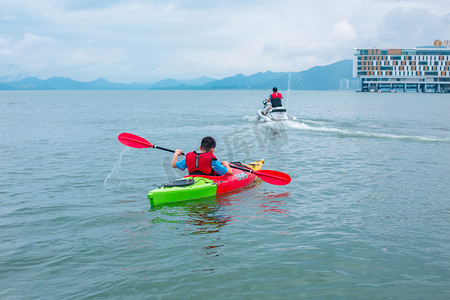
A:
x: 409, y: 52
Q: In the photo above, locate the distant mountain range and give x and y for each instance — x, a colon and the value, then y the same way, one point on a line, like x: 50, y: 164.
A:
x: 317, y: 78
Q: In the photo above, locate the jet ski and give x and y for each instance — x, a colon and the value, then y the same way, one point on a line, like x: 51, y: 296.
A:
x: 278, y: 113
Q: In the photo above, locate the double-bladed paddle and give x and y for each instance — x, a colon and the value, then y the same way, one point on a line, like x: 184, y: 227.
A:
x: 269, y: 176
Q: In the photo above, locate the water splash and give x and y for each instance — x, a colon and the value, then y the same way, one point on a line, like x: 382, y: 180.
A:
x: 330, y: 127
x: 322, y: 127
x: 250, y: 118
x: 288, y: 89
x: 114, y: 174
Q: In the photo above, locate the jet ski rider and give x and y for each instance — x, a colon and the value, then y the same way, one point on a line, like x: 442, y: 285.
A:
x: 274, y: 100
x: 203, y: 163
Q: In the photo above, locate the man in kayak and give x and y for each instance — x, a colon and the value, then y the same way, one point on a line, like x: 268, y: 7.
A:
x: 203, y: 163
x: 274, y: 100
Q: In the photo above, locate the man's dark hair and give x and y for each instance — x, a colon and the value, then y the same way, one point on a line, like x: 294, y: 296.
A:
x: 275, y: 89
x: 208, y: 143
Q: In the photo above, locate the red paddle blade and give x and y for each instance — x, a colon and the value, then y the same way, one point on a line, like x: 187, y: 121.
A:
x: 273, y: 177
x: 132, y: 140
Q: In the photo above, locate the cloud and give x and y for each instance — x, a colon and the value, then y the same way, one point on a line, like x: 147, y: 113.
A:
x: 402, y: 27
x: 86, y: 4
x: 6, y: 18
x: 137, y: 40
x: 343, y: 30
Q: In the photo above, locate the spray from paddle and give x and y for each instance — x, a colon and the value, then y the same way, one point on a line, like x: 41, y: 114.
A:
x: 114, y: 174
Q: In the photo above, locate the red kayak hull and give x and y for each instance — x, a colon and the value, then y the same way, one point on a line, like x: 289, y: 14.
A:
x: 228, y: 183
x: 239, y: 178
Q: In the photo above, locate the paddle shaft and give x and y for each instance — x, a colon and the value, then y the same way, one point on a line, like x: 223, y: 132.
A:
x: 165, y: 149
x: 241, y: 168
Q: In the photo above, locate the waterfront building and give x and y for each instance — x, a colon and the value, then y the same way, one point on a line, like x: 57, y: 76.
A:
x: 420, y: 69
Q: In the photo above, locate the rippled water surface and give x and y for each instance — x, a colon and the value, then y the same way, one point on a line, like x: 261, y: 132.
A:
x: 366, y: 216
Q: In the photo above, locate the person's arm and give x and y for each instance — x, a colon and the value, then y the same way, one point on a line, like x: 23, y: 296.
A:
x: 175, y: 158
x: 221, y: 168
x: 226, y: 165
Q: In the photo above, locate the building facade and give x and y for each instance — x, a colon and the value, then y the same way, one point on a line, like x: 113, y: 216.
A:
x: 420, y: 69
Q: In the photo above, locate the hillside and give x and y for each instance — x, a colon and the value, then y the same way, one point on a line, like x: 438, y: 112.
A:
x: 317, y: 78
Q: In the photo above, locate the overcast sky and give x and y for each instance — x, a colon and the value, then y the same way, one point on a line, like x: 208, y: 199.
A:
x: 145, y: 41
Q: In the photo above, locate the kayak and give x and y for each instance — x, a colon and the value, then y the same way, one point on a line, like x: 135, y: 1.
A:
x: 193, y: 187
x: 203, y: 186
x: 274, y: 114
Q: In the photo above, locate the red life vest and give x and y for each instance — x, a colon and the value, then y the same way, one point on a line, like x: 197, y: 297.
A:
x: 276, y: 99
x: 200, y: 163
x: 276, y: 95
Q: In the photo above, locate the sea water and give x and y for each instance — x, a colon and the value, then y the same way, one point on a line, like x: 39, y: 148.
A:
x: 366, y: 216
